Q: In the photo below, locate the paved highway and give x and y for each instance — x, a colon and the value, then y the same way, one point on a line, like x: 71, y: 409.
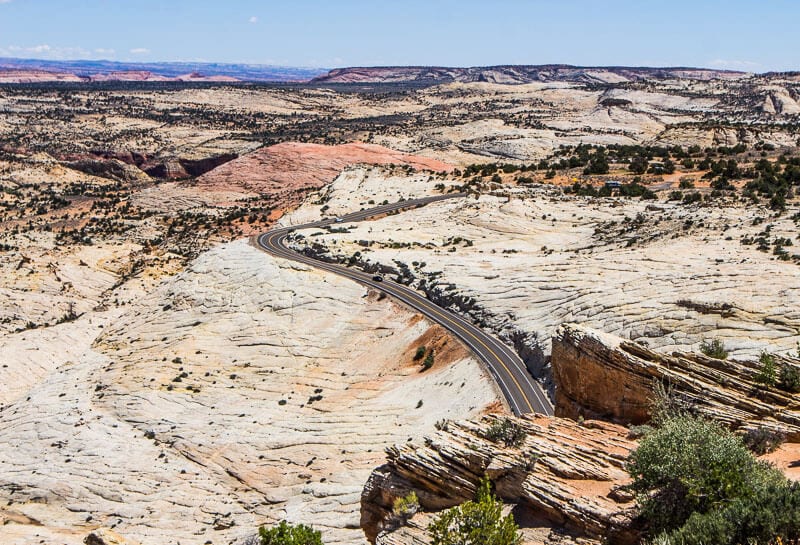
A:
x: 522, y: 393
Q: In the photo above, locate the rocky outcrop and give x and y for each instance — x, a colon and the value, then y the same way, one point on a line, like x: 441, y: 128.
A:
x: 285, y: 169
x: 170, y: 169
x: 113, y: 169
x: 36, y: 76
x: 27, y: 70
x: 198, y: 167
x: 180, y: 168
x: 600, y: 375
x: 563, y: 472
x: 131, y: 166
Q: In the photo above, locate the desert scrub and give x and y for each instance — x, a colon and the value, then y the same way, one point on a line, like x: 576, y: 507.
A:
x: 478, y: 522
x: 507, y: 432
x: 289, y: 534
x: 767, y: 375
x: 769, y: 516
x: 405, y: 507
x: 639, y: 431
x: 697, y: 483
x: 714, y: 349
x: 789, y: 378
x: 763, y: 440
x: 427, y: 363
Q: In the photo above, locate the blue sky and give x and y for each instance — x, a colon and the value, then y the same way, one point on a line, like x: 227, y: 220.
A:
x: 757, y: 35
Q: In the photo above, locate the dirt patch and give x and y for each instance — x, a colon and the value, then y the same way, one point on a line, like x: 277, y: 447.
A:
x: 787, y: 459
x: 495, y: 407
x: 445, y: 348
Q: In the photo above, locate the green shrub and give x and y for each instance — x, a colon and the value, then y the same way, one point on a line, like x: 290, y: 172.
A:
x: 478, y: 522
x: 507, y: 432
x: 406, y: 507
x: 714, y: 349
x: 772, y: 512
x: 768, y: 373
x: 763, y: 440
x: 420, y: 353
x: 789, y: 378
x: 690, y: 465
x: 428, y: 362
x: 288, y: 534
x: 692, y: 197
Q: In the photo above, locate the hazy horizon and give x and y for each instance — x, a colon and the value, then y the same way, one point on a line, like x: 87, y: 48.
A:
x: 327, y: 68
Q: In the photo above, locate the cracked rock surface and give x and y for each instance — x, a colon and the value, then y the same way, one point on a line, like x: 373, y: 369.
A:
x: 242, y: 391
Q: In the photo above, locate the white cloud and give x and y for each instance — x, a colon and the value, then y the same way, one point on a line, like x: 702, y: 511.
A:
x: 5, y: 1
x: 734, y: 64
x: 46, y: 51
x: 104, y: 52
x: 253, y: 20
x: 140, y: 51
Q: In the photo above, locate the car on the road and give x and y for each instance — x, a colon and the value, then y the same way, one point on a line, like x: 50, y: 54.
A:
x: 377, y: 278
x: 338, y: 220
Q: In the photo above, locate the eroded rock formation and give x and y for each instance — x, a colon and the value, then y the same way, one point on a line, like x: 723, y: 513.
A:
x: 600, y: 375
x: 284, y: 170
x: 564, y: 472
x: 242, y: 391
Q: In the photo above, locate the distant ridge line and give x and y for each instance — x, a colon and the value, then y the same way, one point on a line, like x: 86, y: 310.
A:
x: 13, y: 70
x: 510, y: 74
x: 102, y: 70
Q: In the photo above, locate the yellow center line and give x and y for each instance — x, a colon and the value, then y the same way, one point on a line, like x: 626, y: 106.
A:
x: 435, y: 310
x: 466, y: 330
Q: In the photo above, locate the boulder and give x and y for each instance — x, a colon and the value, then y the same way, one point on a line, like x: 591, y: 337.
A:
x: 104, y: 536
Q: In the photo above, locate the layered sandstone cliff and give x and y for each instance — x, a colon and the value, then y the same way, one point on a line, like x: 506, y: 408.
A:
x: 600, y: 375
x: 564, y: 474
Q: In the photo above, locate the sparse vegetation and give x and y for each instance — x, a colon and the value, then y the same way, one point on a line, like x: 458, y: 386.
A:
x: 714, y: 349
x: 506, y: 432
x: 767, y: 375
x: 762, y: 440
x: 427, y: 363
x: 288, y: 534
x: 478, y: 522
x: 405, y: 507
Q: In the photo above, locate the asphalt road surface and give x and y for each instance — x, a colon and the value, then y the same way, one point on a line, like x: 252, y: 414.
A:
x: 523, y: 394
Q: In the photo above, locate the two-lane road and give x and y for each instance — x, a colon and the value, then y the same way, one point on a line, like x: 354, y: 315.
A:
x: 522, y: 393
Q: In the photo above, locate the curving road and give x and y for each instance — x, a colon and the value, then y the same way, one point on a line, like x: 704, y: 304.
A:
x: 522, y: 393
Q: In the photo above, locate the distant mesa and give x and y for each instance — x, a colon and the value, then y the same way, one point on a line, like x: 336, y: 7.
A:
x: 518, y: 74
x: 43, y: 71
